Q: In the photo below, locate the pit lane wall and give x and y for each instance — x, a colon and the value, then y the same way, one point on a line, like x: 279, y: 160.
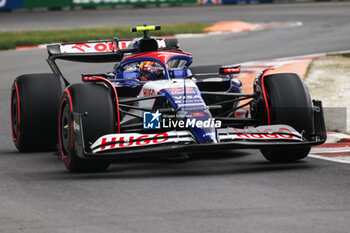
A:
x: 7, y: 5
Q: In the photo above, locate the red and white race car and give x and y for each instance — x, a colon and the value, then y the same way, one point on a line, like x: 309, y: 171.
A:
x: 154, y: 103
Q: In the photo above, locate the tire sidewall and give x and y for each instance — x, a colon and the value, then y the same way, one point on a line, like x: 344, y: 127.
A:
x: 16, y: 134
x: 66, y: 156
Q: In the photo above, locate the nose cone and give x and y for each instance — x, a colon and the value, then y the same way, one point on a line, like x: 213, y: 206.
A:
x: 192, y: 110
x: 205, y: 135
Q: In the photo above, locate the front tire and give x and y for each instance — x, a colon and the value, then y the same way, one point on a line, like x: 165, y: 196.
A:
x: 96, y: 101
x: 34, y: 109
x: 289, y: 103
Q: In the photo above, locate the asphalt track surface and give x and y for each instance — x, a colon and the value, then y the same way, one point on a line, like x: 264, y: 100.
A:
x: 235, y: 191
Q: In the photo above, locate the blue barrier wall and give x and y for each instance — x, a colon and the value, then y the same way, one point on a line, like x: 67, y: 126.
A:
x: 10, y: 4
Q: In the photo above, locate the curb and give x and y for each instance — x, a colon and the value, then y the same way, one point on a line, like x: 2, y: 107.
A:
x: 336, y: 149
x: 341, y: 138
x: 32, y: 47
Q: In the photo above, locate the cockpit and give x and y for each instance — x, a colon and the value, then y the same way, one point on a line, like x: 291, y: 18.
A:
x: 143, y: 70
x: 153, y: 70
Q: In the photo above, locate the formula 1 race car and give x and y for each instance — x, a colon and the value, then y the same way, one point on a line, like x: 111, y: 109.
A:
x: 154, y: 104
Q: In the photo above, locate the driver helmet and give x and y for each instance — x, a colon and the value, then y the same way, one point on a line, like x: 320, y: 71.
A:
x: 149, y: 70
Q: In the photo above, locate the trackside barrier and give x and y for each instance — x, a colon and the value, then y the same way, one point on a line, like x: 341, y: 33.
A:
x: 6, y: 5
x: 207, y: 2
x: 32, y: 4
x: 10, y: 4
x: 93, y: 3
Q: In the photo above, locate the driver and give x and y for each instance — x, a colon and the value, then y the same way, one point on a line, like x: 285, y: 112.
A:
x: 149, y: 70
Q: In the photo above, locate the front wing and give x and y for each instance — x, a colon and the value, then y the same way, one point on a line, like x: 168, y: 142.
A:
x: 135, y: 145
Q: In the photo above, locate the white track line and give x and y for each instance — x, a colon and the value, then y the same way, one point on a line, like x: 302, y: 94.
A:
x: 345, y: 159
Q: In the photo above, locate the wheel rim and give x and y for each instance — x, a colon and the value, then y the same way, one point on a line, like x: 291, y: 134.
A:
x: 65, y: 129
x: 14, y: 116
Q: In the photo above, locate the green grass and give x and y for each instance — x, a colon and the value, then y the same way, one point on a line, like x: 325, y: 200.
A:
x: 309, y: 68
x: 10, y: 40
x: 339, y: 54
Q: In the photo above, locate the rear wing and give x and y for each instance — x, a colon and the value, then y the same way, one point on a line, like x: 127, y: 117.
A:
x: 214, y: 71
x: 101, y: 51
x: 98, y: 52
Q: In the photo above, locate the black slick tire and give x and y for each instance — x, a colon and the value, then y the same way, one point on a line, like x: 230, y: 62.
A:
x: 289, y: 103
x: 34, y: 109
x: 95, y: 100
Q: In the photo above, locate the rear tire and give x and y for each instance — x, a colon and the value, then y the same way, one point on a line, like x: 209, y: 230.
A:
x: 290, y: 104
x: 34, y: 109
x: 96, y: 101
